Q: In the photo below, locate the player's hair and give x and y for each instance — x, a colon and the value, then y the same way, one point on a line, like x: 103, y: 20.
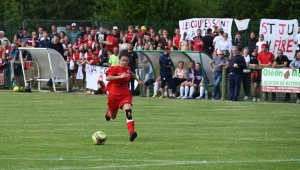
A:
x: 123, y: 53
x: 180, y: 62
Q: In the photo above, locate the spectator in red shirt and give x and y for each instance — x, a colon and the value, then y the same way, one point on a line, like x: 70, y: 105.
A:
x: 266, y: 59
x: 34, y: 40
x: 79, y: 42
x: 197, y: 43
x: 90, y: 42
x: 130, y: 34
x: 109, y: 42
x: 176, y: 38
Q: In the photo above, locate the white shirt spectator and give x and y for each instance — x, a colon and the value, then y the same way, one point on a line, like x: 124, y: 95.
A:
x: 298, y: 41
x: 247, y: 59
x: 259, y: 43
x: 216, y: 40
x: 227, y: 45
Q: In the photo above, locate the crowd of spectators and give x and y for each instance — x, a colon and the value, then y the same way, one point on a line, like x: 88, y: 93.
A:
x: 100, y: 46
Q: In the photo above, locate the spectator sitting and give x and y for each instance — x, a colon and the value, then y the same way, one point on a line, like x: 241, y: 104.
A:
x: 2, y: 39
x: 114, y: 58
x: 184, y: 88
x: 79, y: 42
x: 179, y: 76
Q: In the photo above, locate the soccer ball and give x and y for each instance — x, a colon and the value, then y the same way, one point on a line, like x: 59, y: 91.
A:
x: 16, y: 89
x: 99, y: 138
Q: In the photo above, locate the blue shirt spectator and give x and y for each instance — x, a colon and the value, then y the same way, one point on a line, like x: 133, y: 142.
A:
x: 45, y: 43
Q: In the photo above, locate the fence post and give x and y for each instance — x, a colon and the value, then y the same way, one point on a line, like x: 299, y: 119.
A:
x: 224, y: 83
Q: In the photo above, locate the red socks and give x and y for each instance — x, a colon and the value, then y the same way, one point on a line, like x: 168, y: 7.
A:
x: 130, y: 126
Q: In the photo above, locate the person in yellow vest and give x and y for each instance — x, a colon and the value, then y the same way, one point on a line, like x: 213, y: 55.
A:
x: 114, y: 58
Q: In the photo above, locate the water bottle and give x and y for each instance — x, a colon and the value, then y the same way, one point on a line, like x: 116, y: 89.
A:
x: 147, y: 92
x: 206, y: 95
x: 166, y: 92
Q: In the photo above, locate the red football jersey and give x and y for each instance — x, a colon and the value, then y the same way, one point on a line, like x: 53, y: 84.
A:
x: 176, y: 40
x: 90, y: 43
x: 110, y: 39
x: 197, y: 47
x: 119, y: 87
x: 76, y: 56
x: 129, y: 36
x: 89, y: 56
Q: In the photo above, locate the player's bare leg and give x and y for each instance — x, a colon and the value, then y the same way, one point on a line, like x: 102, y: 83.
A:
x: 130, y: 123
x: 110, y: 115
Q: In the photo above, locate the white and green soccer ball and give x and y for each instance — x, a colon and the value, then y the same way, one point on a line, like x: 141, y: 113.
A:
x: 99, y: 138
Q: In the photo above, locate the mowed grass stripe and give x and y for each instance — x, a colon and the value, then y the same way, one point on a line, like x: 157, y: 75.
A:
x: 48, y: 125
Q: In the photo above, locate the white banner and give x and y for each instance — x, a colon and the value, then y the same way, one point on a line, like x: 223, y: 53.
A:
x: 280, y: 34
x: 190, y: 26
x: 95, y: 73
x: 280, y: 80
x: 242, y: 24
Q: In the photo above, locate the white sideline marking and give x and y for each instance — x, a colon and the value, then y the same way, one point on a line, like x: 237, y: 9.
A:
x: 163, y: 163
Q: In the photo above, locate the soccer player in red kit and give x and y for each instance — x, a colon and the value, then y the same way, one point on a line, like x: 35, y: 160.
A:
x: 119, y: 95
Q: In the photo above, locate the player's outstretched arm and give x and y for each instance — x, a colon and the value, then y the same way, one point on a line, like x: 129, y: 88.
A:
x: 132, y: 75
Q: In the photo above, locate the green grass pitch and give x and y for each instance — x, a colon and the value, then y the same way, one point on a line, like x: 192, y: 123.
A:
x: 54, y: 131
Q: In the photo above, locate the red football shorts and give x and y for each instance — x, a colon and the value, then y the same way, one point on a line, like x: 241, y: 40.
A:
x: 115, y: 103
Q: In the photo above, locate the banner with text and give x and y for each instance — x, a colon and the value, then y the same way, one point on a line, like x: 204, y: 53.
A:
x: 280, y: 34
x: 280, y: 80
x: 95, y: 73
x: 190, y: 26
x: 242, y: 24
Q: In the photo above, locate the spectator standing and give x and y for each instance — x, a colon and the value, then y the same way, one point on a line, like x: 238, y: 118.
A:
x: 208, y: 42
x: 62, y: 35
x: 97, y: 49
x: 2, y: 39
x: 139, y: 45
x: 25, y: 36
x: 133, y: 63
x: 54, y: 32
x: 45, y: 43
x: 176, y: 38
x: 123, y: 45
x: 282, y: 61
x: 109, y: 42
x: 216, y: 65
x: 236, y: 65
x: 67, y: 44
x: 260, y: 42
x: 152, y: 33
x: 164, y: 39
x: 90, y: 42
x: 130, y: 34
x: 216, y: 41
x: 266, y: 59
x: 34, y: 40
x: 165, y: 65
x: 251, y: 43
x: 297, y: 40
x: 57, y: 46
x: 82, y: 31
x: 225, y: 45
x: 196, y: 43
x: 116, y: 35
x: 40, y: 32
x: 255, y: 75
x: 68, y: 31
x: 239, y: 41
x: 184, y: 43
x: 74, y: 33
x: 156, y: 41
x: 295, y: 64
x: 101, y: 36
x: 18, y: 36
x: 246, y: 75
x: 114, y: 58
x: 15, y: 67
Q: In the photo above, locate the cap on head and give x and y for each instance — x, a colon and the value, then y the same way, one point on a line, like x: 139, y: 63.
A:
x: 167, y: 48
x: 76, y: 47
x: 13, y: 45
x: 143, y: 28
x: 73, y: 25
x: 20, y: 28
x: 221, y: 28
x: 115, y: 28
x: 264, y: 45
